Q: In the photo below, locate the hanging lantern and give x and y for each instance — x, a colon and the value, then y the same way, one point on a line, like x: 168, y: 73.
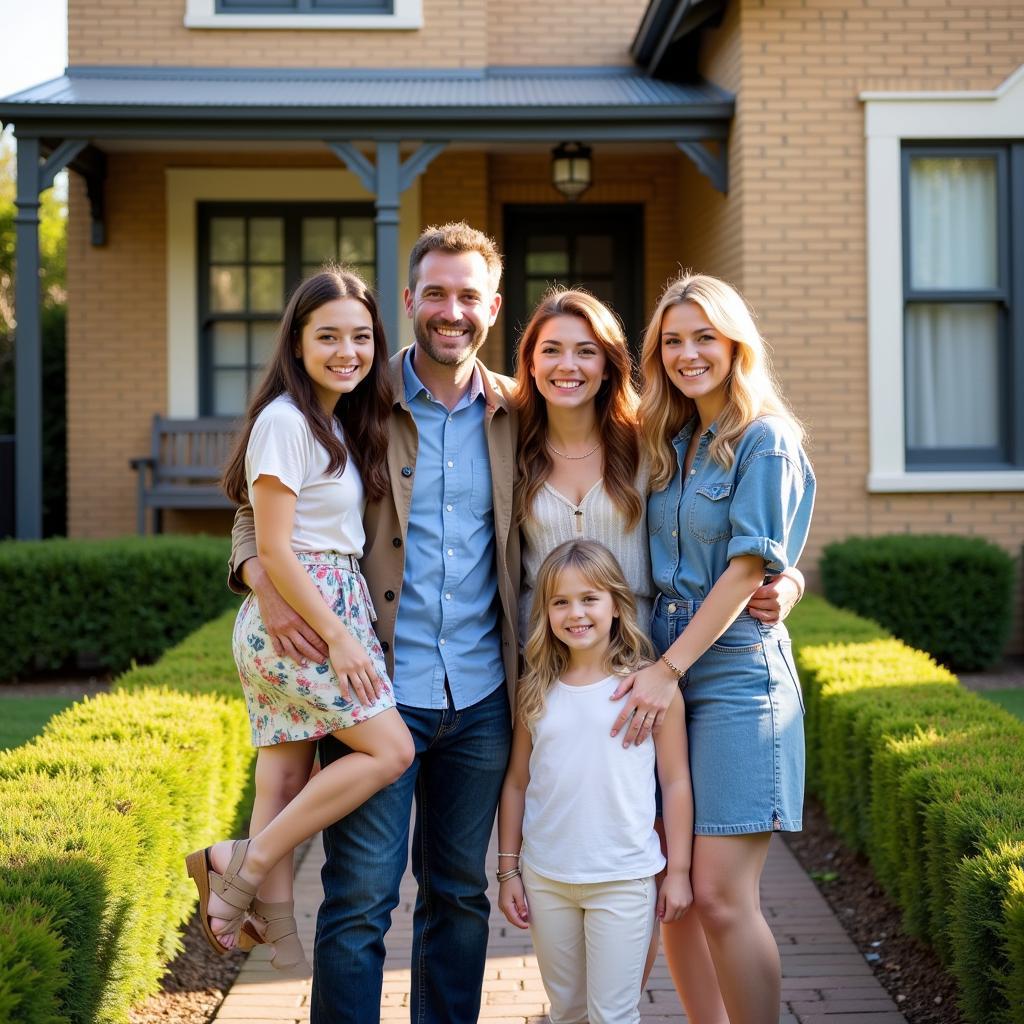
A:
x: 571, y: 169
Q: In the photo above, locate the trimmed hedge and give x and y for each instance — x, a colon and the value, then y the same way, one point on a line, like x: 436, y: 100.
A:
x: 924, y: 778
x: 105, y: 602
x: 947, y: 595
x: 96, y: 815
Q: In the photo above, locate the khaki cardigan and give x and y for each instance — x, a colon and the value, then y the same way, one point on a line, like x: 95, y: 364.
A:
x: 386, y: 521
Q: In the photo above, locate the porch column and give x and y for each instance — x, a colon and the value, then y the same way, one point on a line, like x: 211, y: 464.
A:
x: 28, y: 345
x: 389, y: 165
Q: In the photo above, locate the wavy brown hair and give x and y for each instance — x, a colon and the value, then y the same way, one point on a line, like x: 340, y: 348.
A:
x: 751, y: 387
x: 546, y: 656
x: 616, y: 404
x: 363, y: 413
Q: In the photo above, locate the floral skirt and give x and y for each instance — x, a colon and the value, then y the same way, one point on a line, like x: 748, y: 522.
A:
x: 287, y: 701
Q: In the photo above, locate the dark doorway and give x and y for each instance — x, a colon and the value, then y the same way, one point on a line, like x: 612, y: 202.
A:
x: 597, y: 247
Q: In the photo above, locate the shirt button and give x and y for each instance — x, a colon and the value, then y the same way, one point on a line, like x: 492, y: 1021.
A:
x: 671, y: 609
x: 450, y: 464
x: 451, y: 551
x: 447, y: 597
x: 442, y: 641
x: 692, y: 471
x: 449, y: 507
x: 407, y: 471
x: 675, y: 533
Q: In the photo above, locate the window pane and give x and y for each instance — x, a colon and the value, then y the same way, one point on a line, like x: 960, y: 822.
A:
x: 227, y: 289
x: 263, y: 337
x: 952, y: 375
x: 356, y: 244
x: 227, y: 239
x: 229, y: 344
x: 547, y: 255
x: 266, y: 289
x: 602, y: 289
x: 593, y: 254
x: 229, y: 392
x: 318, y: 239
x: 266, y: 240
x: 953, y: 222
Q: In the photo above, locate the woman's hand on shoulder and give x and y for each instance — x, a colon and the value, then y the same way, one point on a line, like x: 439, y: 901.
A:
x: 650, y: 693
x: 512, y: 900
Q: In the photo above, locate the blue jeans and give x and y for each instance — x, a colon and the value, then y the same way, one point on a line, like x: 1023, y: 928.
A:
x: 456, y: 781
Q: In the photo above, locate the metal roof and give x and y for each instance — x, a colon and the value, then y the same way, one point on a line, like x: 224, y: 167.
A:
x: 118, y: 91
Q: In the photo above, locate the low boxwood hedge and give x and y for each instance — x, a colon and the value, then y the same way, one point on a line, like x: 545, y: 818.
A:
x: 95, y: 816
x: 947, y: 595
x: 106, y: 602
x: 924, y: 777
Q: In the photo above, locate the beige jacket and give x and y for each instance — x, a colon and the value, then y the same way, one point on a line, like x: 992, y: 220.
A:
x: 386, y: 521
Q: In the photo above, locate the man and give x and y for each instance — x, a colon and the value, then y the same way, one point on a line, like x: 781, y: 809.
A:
x: 442, y: 564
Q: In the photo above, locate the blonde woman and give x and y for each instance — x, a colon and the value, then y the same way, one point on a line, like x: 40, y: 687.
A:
x: 731, y: 499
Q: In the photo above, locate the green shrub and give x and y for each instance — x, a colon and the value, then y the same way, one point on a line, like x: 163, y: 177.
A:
x: 106, y: 601
x: 950, y: 596
x: 96, y: 815
x: 924, y: 778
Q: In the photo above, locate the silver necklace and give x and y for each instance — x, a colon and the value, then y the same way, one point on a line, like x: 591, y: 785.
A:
x: 573, y: 458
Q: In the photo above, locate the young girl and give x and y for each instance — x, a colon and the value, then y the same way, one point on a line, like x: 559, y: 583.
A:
x: 312, y: 451
x: 576, y: 820
x: 732, y: 492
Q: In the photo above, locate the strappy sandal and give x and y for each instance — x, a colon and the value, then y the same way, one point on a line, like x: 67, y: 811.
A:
x: 280, y: 932
x: 233, y: 890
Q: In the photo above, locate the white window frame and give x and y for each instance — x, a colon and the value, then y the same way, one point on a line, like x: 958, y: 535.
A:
x: 890, y: 118
x: 185, y: 189
x: 407, y: 14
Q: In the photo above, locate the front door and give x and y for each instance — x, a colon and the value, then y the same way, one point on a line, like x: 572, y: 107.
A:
x: 597, y: 247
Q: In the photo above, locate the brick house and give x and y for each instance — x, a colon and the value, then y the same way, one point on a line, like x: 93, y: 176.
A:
x: 856, y: 167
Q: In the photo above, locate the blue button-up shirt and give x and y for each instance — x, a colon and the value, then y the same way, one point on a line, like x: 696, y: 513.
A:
x: 761, y: 505
x: 449, y: 611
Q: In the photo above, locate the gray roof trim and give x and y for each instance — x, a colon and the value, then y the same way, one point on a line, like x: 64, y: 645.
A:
x: 494, y: 95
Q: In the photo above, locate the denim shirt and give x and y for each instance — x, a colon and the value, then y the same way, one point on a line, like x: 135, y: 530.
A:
x: 760, y: 506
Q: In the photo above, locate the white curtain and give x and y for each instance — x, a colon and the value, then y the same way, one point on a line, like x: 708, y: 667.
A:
x: 953, y: 348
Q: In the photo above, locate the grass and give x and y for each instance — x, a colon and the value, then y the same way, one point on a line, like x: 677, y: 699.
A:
x: 21, y: 718
x: 1011, y: 700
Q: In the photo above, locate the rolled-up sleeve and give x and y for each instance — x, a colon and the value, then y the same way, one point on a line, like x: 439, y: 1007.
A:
x: 770, y: 512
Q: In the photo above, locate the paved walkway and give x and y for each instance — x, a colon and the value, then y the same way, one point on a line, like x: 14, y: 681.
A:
x: 825, y: 980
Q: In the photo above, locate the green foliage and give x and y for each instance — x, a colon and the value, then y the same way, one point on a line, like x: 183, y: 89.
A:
x: 923, y: 777
x: 950, y: 596
x: 109, y: 601
x: 1012, y: 700
x: 96, y: 815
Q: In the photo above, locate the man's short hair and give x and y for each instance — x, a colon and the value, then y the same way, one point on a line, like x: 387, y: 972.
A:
x: 456, y: 237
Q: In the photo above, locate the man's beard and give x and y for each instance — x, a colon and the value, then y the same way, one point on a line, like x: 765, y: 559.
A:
x: 447, y: 357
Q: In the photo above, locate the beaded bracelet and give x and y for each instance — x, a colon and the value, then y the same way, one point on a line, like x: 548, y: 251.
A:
x: 677, y: 672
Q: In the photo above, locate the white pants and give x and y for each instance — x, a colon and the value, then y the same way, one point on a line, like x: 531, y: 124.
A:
x: 591, y: 941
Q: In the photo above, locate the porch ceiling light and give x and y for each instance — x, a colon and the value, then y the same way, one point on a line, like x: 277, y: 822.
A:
x: 571, y: 169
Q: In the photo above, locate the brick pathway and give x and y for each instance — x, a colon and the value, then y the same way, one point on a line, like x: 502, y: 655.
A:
x: 825, y: 980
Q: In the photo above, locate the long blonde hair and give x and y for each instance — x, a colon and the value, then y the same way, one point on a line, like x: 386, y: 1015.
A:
x: 546, y: 656
x: 616, y: 404
x: 751, y: 390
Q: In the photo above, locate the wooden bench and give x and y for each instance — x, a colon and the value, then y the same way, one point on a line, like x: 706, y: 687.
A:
x: 184, y: 467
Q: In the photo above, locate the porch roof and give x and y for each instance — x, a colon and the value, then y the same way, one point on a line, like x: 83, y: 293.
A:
x: 494, y: 103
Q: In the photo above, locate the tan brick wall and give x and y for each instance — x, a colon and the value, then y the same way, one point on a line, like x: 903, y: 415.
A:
x: 455, y: 34
x: 802, y: 170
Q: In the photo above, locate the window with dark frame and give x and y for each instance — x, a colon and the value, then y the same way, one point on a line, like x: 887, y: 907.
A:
x: 305, y: 7
x: 963, y: 339
x: 251, y: 255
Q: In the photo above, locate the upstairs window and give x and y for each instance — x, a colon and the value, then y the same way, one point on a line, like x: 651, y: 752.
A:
x: 304, y: 14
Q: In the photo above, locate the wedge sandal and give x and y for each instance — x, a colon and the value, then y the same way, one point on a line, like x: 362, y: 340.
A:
x: 280, y: 932
x: 233, y: 890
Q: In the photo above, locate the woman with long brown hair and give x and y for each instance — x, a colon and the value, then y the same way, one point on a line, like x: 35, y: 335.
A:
x: 312, y: 451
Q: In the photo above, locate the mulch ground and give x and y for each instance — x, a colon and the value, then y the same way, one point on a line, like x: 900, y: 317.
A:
x: 919, y: 985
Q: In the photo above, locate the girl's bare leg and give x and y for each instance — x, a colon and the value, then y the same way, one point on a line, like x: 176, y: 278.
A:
x: 692, y: 969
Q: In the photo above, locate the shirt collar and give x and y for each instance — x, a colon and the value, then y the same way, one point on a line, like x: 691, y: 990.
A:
x: 413, y: 385
x: 689, y: 426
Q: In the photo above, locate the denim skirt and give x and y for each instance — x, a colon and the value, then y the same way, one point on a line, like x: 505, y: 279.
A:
x: 744, y: 724
x: 288, y: 701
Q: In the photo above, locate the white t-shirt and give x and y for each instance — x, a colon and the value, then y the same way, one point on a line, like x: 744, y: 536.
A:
x: 589, y: 814
x: 328, y: 507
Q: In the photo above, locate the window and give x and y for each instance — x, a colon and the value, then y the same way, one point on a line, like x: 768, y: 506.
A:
x: 250, y: 257
x: 945, y: 289
x: 304, y: 14
x: 962, y: 323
